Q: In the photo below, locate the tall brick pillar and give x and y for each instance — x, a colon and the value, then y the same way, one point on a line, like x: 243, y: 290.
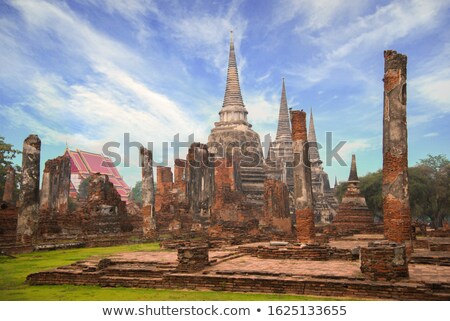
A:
x: 28, y: 215
x: 148, y: 194
x: 397, y: 216
x: 304, y: 212
x: 8, y: 193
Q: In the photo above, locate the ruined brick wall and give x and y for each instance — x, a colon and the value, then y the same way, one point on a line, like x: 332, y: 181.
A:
x: 28, y: 215
x: 384, y: 261
x: 164, y: 185
x: 200, y: 180
x: 276, y: 206
x: 104, y: 212
x: 230, y: 204
x: 396, y: 211
x: 8, y: 224
x: 10, y: 181
x: 54, y: 198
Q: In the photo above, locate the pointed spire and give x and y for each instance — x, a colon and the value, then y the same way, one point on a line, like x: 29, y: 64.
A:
x: 233, y: 97
x: 313, y: 150
x: 335, y: 182
x: 353, y: 177
x: 284, y: 129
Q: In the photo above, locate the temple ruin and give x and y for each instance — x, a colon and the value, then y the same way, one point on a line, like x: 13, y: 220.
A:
x: 229, y: 219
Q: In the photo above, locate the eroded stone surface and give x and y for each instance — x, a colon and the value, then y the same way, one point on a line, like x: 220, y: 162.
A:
x: 28, y: 215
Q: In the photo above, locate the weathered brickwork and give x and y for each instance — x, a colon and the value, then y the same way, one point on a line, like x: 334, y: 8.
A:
x: 396, y: 211
x: 10, y: 181
x: 276, y: 206
x: 148, y: 194
x: 104, y: 212
x: 54, y: 196
x: 303, y: 197
x: 28, y: 215
x: 192, y: 259
x: 384, y: 261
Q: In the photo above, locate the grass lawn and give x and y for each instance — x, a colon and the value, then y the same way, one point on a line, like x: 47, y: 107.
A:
x: 13, y: 272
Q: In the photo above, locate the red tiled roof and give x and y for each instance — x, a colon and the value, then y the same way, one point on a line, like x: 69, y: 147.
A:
x: 77, y: 164
x: 86, y: 163
x: 95, y: 163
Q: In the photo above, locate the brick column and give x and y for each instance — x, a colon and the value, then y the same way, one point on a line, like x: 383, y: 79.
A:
x: 396, y: 211
x: 148, y: 194
x: 302, y: 179
x: 28, y: 215
x: 8, y: 192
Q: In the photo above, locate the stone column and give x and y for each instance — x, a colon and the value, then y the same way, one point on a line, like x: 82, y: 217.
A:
x: 28, y: 215
x: 148, y: 193
x: 304, y: 211
x: 396, y: 211
x: 8, y: 192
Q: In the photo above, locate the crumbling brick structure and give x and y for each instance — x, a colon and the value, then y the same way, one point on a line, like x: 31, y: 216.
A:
x: 353, y: 215
x: 148, y: 194
x: 28, y: 215
x: 171, y: 204
x: 200, y: 180
x: 104, y: 212
x: 10, y: 181
x: 54, y: 197
x: 384, y: 261
x: 302, y: 179
x: 276, y: 206
x: 396, y: 210
x: 192, y: 258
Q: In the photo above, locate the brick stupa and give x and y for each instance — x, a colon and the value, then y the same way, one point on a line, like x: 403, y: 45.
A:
x: 353, y: 215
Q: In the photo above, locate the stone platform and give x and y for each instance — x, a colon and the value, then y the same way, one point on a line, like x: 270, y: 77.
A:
x: 231, y: 269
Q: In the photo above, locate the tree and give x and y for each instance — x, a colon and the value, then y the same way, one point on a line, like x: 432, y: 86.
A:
x: 434, y: 174
x: 83, y: 189
x: 7, y: 154
x: 429, y: 190
x: 136, y: 191
x: 371, y: 186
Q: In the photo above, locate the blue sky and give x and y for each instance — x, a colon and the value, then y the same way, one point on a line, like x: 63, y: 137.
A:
x: 86, y: 72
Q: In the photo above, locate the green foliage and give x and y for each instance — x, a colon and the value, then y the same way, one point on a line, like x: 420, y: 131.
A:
x: 137, y: 192
x: 7, y: 154
x: 429, y: 190
x: 431, y: 194
x: 371, y: 189
x: 14, y: 271
x: 83, y: 189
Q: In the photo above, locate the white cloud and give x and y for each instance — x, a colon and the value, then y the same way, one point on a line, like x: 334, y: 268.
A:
x: 100, y: 105
x: 434, y: 134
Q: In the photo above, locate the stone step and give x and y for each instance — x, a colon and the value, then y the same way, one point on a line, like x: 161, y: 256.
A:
x: 135, y: 282
x: 133, y: 271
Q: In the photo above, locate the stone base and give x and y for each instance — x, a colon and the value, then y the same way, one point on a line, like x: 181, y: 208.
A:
x: 384, y: 261
x: 192, y: 259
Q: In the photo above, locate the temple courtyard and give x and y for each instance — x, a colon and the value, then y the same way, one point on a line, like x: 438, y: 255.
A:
x: 263, y: 267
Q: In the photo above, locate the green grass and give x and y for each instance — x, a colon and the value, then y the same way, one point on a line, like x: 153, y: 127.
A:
x: 13, y: 272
